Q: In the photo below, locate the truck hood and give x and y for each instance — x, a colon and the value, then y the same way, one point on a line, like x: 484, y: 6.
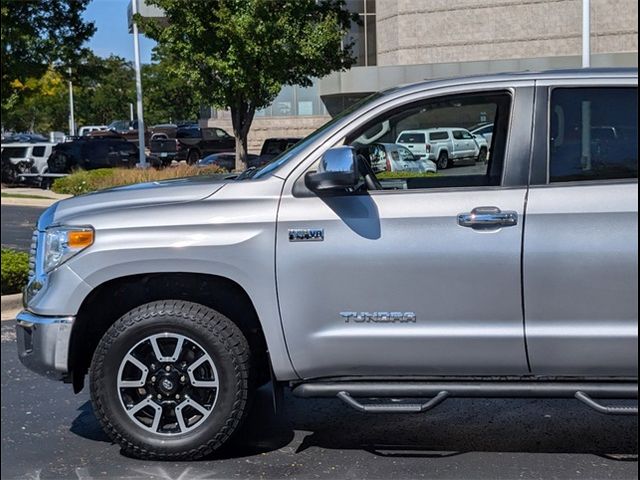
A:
x: 138, y: 195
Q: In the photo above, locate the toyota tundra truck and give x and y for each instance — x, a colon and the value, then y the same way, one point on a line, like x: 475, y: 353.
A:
x: 518, y: 278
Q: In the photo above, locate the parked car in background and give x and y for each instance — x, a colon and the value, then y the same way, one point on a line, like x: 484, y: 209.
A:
x: 484, y: 129
x: 445, y: 146
x: 391, y: 157
x: 227, y: 160
x: 24, y: 138
x: 191, y: 143
x: 87, y: 129
x: 127, y: 129
x: 24, y: 158
x: 89, y: 153
x: 272, y: 147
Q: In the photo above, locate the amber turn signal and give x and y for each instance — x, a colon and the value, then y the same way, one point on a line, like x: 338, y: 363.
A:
x: 80, y: 239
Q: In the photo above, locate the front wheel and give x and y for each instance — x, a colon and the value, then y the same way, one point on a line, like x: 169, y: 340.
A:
x: 482, y: 156
x: 170, y: 380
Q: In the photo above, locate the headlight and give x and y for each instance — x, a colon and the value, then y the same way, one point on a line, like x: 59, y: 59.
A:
x: 62, y: 243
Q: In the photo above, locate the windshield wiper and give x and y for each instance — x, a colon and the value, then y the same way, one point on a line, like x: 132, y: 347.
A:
x: 248, y: 173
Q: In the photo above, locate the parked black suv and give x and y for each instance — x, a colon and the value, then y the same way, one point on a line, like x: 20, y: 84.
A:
x: 89, y: 153
x: 191, y: 144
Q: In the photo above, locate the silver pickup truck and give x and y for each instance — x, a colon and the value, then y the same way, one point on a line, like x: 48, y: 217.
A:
x: 518, y: 278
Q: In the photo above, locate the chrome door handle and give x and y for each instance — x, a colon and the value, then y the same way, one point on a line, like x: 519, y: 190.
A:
x: 488, y: 218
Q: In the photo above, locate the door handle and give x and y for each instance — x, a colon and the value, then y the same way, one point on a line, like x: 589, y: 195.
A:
x: 488, y: 218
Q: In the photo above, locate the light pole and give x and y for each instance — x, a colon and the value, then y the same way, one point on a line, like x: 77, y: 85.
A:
x: 72, y: 120
x: 586, y: 34
x: 142, y: 161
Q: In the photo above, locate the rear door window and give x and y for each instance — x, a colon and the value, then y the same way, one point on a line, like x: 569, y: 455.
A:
x: 435, y: 136
x: 593, y: 134
x: 39, y: 151
x: 411, y: 138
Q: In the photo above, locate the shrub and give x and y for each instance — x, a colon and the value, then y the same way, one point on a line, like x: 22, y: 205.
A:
x: 85, y: 181
x: 401, y: 174
x: 15, y: 270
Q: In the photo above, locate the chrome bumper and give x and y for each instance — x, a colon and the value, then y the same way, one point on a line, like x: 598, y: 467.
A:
x: 43, y: 343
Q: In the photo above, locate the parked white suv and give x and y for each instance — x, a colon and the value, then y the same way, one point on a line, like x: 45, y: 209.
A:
x: 24, y: 158
x: 445, y: 146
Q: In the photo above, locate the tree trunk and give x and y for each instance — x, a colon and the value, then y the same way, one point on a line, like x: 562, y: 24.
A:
x: 241, y: 118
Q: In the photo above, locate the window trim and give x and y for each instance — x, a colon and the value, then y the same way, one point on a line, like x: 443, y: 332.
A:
x: 540, y: 167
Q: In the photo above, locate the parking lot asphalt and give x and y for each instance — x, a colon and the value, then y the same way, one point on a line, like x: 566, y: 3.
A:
x: 18, y: 223
x: 50, y: 433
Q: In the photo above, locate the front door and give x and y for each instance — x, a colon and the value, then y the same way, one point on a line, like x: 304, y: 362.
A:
x: 405, y: 280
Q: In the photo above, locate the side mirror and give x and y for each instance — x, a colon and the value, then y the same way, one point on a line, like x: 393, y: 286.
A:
x: 338, y: 170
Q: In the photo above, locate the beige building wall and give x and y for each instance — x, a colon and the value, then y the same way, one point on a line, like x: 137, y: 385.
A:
x: 413, y: 32
x: 266, y: 127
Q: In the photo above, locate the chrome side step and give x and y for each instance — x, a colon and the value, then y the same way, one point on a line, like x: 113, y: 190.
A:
x: 598, y: 407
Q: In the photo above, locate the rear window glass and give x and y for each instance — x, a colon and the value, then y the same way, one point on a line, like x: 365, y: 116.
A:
x: 38, y: 151
x: 188, y: 133
x: 411, y: 138
x: 438, y: 136
x: 593, y: 134
x: 14, y: 152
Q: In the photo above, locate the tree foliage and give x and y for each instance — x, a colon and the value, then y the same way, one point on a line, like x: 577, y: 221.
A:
x: 167, y: 97
x: 36, y: 34
x: 237, y: 54
x: 103, y: 90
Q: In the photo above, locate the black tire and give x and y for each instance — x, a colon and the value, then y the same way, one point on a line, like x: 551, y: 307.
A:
x: 482, y: 155
x: 217, y: 335
x: 443, y: 161
x: 193, y: 157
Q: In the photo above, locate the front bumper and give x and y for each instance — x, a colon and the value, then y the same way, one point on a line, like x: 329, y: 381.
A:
x: 43, y: 343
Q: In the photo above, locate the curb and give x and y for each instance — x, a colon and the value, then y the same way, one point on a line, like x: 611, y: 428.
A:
x: 11, y: 305
x: 29, y: 202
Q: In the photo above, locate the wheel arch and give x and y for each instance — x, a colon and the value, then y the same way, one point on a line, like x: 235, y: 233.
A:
x: 113, y: 298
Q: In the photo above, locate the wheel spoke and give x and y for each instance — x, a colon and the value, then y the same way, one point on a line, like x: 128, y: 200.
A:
x: 213, y: 383
x: 156, y: 348
x: 180, y: 416
x: 197, y: 406
x: 133, y: 383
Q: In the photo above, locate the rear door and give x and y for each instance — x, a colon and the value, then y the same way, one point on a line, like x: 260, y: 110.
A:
x: 581, y: 235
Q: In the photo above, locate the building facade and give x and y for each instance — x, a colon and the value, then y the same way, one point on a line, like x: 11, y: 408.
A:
x: 404, y: 41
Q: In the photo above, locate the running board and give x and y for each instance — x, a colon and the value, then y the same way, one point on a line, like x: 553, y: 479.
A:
x: 438, y: 391
x: 598, y: 407
x: 392, y: 407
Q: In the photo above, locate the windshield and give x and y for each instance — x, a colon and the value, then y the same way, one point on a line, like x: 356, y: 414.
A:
x: 287, y: 155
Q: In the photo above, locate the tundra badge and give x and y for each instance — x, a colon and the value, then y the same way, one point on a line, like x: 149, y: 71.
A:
x: 306, y: 234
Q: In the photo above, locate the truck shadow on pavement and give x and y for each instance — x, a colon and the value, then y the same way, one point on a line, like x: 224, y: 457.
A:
x: 456, y: 427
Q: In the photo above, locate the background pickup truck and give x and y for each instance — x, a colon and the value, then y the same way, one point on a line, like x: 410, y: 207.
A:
x: 445, y: 146
x: 191, y: 144
x: 514, y: 278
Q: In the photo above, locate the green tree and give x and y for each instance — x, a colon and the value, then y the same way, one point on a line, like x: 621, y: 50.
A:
x: 238, y: 54
x: 167, y: 97
x: 105, y: 88
x: 39, y: 104
x: 36, y: 34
